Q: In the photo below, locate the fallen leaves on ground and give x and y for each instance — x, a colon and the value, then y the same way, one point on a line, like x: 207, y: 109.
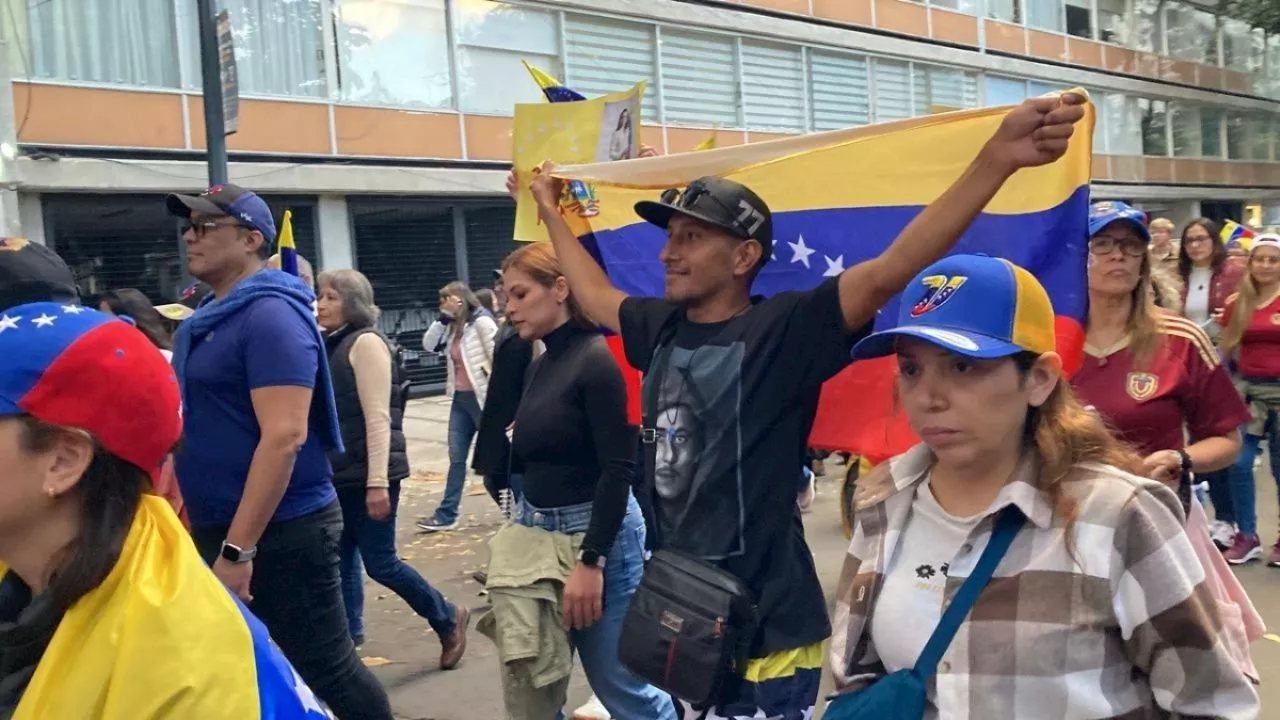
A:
x: 376, y: 661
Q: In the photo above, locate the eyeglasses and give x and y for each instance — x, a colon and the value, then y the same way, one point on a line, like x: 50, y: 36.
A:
x: 1105, y: 244
x: 204, y: 227
x: 1198, y: 239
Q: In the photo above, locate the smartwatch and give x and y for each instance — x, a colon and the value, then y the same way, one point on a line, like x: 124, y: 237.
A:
x: 591, y: 558
x: 234, y: 554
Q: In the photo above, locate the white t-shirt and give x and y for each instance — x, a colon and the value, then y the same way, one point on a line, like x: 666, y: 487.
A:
x: 1198, y: 285
x: 910, y: 603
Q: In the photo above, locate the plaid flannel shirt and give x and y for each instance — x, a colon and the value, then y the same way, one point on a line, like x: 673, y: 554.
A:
x: 1051, y: 637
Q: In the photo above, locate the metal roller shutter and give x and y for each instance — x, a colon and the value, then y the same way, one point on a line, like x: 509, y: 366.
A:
x: 699, y: 79
x: 489, y: 241
x: 117, y: 241
x: 840, y: 90
x: 406, y: 249
x: 773, y: 86
x: 304, y: 223
x: 893, y: 90
x: 605, y: 56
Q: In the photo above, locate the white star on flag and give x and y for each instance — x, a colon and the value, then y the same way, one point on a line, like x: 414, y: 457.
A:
x: 801, y: 252
x: 45, y: 320
x: 834, y: 267
x: 72, y: 309
x: 9, y: 323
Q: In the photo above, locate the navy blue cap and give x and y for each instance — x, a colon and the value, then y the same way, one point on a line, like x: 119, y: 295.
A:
x: 1102, y: 214
x: 233, y: 201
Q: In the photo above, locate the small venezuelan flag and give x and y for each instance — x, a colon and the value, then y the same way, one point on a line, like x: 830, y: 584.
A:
x: 285, y: 244
x: 1233, y: 233
x: 708, y: 144
x: 551, y: 87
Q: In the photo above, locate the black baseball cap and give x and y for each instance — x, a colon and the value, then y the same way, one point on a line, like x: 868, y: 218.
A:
x: 725, y: 204
x: 233, y: 201
x: 31, y: 272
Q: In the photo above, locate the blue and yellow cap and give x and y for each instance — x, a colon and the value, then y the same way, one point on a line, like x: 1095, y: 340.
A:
x: 974, y: 305
x: 1102, y: 214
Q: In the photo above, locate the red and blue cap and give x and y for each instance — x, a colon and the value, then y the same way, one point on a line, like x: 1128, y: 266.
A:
x: 70, y: 366
x: 248, y: 208
x: 973, y: 305
x: 1102, y: 214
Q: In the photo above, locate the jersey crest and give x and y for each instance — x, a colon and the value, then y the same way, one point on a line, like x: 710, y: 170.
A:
x: 1141, y: 385
x: 938, y: 290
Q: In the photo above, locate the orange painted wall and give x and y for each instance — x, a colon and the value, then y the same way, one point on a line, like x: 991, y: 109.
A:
x: 56, y: 115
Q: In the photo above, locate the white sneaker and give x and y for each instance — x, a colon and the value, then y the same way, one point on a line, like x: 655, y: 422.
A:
x: 592, y: 710
x: 1223, y: 533
x: 805, y: 499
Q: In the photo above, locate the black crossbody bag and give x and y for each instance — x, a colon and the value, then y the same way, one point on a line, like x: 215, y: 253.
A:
x: 690, y: 625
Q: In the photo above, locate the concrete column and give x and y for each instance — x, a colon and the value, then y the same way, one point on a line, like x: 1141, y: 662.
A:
x: 336, y: 244
x: 10, y: 222
x: 31, y: 217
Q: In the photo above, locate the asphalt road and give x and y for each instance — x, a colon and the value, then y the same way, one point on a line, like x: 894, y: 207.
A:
x: 404, y: 653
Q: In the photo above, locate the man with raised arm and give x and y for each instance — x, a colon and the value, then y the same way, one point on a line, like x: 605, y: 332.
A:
x: 739, y: 378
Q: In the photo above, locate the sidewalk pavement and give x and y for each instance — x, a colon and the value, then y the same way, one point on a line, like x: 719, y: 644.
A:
x: 404, y: 653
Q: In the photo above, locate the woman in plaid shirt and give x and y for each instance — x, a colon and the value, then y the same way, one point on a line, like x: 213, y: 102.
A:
x: 1099, y: 609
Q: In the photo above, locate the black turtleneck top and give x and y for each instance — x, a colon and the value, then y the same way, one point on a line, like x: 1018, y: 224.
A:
x: 571, y: 432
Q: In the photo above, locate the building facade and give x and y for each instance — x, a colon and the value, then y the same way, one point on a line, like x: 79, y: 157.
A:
x: 385, y: 124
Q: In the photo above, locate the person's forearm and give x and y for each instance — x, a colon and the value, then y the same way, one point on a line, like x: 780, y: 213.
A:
x: 269, y: 474
x: 587, y: 280
x: 930, y: 236
x: 1214, y: 453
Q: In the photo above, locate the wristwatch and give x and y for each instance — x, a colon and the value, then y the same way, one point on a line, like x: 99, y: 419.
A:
x: 591, y: 558
x: 234, y: 554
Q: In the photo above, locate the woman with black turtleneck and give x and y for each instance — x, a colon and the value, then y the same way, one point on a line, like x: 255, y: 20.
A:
x: 578, y: 453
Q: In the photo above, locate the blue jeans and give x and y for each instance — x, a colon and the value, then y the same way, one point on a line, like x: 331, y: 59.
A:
x: 1220, y: 494
x: 621, y: 692
x: 374, y: 542
x: 1244, y: 492
x: 464, y: 419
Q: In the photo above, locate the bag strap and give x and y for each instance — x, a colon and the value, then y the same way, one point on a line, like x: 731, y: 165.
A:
x: 1008, y: 523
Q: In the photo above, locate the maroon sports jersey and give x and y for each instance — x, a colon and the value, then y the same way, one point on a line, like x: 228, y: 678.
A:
x: 1183, y: 384
x: 1259, y: 355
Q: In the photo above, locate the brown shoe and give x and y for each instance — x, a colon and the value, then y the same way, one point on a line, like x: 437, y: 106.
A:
x: 453, y: 647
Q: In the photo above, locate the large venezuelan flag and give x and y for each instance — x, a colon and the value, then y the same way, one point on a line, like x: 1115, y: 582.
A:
x: 840, y: 198
x: 161, y: 638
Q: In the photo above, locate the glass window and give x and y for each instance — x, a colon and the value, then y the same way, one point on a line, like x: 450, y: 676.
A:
x: 1099, y: 122
x: 1123, y: 124
x: 1045, y: 14
x: 493, y: 39
x: 1238, y: 49
x: 1005, y: 91
x: 964, y: 6
x: 605, y: 56
x: 1192, y: 34
x: 125, y: 42
x: 1260, y: 130
x: 1009, y: 11
x: 1185, y: 120
x: 393, y: 52
x: 772, y: 86
x: 699, y: 78
x: 838, y: 84
x: 1154, y: 123
x: 1111, y: 20
x: 1080, y: 18
x: 1248, y: 137
x: 1273, y: 67
x: 893, y: 90
x: 1211, y: 132
x: 939, y: 90
x: 279, y: 46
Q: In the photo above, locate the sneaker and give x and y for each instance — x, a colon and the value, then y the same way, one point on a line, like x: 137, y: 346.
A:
x: 453, y: 646
x: 592, y: 710
x: 1223, y: 534
x: 1273, y: 557
x: 481, y: 576
x: 819, y: 468
x: 1244, y: 549
x: 805, y: 500
x: 430, y: 525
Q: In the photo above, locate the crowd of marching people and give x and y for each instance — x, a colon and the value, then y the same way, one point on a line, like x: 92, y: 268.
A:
x: 195, y: 491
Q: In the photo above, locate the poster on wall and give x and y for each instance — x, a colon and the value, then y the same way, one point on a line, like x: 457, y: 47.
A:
x: 602, y: 129
x: 227, y: 71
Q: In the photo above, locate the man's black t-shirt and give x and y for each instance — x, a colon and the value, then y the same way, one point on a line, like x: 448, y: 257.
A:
x: 735, y: 406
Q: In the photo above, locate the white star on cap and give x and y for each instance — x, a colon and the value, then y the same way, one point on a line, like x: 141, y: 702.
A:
x: 9, y: 323
x: 800, y: 252
x: 834, y: 267
x: 72, y: 309
x: 45, y: 320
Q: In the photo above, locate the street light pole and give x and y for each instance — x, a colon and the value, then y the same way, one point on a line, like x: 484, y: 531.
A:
x: 215, y: 131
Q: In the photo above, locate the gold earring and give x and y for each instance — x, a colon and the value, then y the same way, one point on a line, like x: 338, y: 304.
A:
x: 53, y: 493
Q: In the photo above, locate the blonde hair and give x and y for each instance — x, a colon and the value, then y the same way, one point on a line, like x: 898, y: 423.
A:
x: 538, y: 261
x: 1246, y: 300
x: 1163, y: 224
x: 1143, y: 325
